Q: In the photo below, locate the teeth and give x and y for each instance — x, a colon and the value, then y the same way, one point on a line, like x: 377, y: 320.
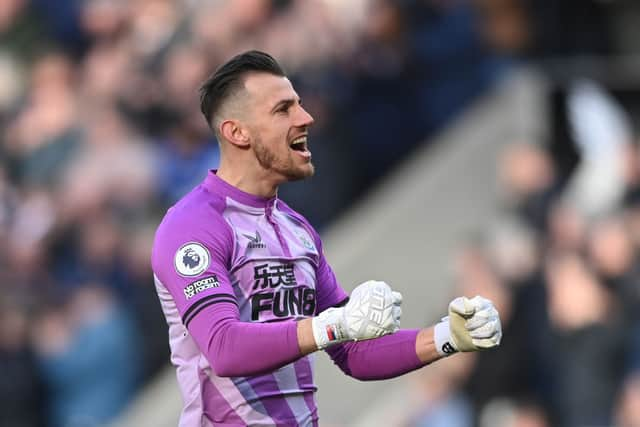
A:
x: 301, y: 140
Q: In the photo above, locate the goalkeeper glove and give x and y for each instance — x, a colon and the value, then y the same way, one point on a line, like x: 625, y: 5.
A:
x: 373, y: 310
x: 472, y: 325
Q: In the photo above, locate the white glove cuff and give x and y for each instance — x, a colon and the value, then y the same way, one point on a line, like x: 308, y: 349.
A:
x: 442, y: 338
x: 326, y: 328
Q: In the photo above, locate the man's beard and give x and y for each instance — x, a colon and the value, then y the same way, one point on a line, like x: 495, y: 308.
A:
x: 285, y: 167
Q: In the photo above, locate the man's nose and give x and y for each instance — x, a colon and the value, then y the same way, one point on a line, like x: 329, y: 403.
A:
x: 303, y: 118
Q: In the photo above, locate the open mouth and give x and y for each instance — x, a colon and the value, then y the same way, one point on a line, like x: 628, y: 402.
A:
x: 299, y: 144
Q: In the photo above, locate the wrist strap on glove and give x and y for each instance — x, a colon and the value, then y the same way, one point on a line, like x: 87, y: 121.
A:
x: 442, y: 338
x: 327, y: 328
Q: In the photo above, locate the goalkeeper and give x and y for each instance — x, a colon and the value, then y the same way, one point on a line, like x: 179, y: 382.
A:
x: 244, y: 284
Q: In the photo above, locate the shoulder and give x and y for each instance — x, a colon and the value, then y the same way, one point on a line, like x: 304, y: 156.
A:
x: 199, y: 210
x: 196, y: 218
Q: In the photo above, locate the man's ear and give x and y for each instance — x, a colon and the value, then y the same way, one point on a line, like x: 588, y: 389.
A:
x: 235, y: 133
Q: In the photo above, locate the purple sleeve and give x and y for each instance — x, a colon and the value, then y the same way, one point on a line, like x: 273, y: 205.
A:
x: 378, y: 359
x: 236, y: 348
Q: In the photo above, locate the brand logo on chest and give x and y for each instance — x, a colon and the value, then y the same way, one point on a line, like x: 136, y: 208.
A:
x: 255, y: 241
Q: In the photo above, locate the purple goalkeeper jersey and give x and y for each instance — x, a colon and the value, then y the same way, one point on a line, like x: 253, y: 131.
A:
x: 220, y: 247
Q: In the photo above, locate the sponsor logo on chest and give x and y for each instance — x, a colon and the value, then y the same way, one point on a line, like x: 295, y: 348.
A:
x: 279, y: 293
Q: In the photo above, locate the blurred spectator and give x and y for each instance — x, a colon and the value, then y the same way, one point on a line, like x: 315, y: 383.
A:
x: 44, y: 135
x: 104, y: 20
x: 612, y: 256
x: 567, y: 228
x: 528, y: 180
x: 588, y: 349
x: 113, y: 166
x: 87, y: 350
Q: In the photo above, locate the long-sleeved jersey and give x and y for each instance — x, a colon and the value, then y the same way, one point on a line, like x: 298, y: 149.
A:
x: 219, y: 245
x: 233, y: 273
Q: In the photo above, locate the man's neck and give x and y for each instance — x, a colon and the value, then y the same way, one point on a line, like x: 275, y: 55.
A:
x: 245, y: 181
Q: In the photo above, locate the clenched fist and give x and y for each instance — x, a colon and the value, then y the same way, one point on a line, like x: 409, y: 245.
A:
x: 472, y: 325
x: 373, y: 310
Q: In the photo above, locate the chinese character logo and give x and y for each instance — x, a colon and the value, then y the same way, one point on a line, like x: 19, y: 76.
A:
x: 272, y: 276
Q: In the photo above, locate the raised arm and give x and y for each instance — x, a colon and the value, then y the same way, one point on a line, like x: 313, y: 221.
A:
x: 472, y: 325
x: 193, y: 265
x: 236, y: 348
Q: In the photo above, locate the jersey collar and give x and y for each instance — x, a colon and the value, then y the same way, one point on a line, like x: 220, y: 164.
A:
x: 217, y: 185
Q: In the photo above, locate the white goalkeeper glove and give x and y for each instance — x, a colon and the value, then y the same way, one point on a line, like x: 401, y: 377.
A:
x: 472, y: 325
x: 373, y: 310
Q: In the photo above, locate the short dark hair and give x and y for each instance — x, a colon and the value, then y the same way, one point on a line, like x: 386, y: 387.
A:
x: 229, y: 77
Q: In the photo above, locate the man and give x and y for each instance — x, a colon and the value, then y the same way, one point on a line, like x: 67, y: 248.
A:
x: 244, y: 284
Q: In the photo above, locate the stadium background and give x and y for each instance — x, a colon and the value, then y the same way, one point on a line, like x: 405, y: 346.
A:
x: 462, y: 146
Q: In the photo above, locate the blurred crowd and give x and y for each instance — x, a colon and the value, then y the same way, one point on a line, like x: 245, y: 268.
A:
x: 100, y: 131
x: 561, y: 266
x: 560, y: 262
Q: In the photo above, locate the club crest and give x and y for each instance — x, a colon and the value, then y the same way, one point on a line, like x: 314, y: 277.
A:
x: 305, y: 241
